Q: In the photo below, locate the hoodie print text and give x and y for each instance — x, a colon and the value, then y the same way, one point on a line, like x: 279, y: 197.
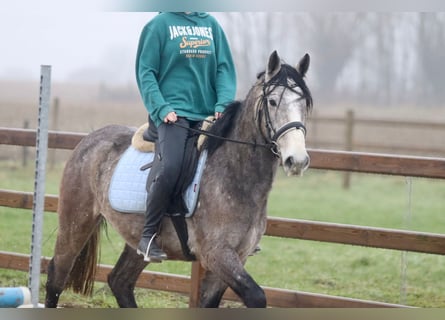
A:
x: 195, y: 41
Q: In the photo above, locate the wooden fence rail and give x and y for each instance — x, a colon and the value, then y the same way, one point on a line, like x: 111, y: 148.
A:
x: 27, y: 138
x: 182, y: 284
x: 427, y: 167
x: 352, y: 124
x: 297, y: 229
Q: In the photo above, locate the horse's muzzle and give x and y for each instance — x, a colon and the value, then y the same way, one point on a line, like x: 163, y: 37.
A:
x: 296, y: 166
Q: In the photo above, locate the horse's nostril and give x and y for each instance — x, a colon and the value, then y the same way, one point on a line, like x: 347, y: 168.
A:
x: 289, y: 162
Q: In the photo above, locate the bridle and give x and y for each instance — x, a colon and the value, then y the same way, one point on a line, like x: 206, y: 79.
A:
x: 273, y: 135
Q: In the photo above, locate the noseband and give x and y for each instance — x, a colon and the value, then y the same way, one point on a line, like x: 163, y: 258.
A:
x: 286, y: 128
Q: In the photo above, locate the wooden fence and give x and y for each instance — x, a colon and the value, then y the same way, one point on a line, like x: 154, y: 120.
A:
x: 354, y: 129
x: 278, y: 227
x: 348, y: 132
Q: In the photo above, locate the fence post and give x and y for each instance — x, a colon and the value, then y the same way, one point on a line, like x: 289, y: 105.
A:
x: 349, y: 133
x: 55, y: 127
x: 195, y: 282
x: 25, y: 149
x: 39, y: 184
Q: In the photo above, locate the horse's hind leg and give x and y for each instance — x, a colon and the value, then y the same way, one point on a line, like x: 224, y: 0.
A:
x: 76, y: 250
x: 122, y: 279
x: 227, y: 265
x: 74, y: 262
x: 74, y: 266
x: 53, y: 290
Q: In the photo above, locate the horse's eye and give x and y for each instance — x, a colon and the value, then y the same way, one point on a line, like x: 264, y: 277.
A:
x: 272, y: 102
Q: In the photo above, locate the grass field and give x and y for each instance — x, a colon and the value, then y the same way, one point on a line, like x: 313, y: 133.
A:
x: 357, y: 272
x: 380, y: 201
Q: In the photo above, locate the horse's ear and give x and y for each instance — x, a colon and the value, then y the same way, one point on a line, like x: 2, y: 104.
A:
x: 273, y: 66
x: 303, y: 65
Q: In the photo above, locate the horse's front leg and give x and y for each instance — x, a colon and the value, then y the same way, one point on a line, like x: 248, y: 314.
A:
x: 212, y: 289
x: 122, y: 279
x: 226, y: 265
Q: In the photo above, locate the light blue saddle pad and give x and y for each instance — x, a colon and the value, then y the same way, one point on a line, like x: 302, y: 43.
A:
x: 127, y: 191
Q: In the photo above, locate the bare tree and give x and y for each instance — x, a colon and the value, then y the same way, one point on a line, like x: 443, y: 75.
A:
x: 254, y: 35
x: 431, y: 55
x: 374, y: 58
x: 333, y: 38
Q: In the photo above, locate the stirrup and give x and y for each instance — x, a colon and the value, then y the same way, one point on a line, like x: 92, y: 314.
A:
x: 146, y: 255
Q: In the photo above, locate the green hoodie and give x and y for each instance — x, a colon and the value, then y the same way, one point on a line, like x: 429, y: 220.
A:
x: 184, y: 64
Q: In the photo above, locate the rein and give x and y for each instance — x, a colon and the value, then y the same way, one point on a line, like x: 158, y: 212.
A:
x: 206, y: 133
x: 271, y: 139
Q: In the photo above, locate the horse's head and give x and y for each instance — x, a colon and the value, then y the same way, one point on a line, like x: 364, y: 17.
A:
x: 286, y: 101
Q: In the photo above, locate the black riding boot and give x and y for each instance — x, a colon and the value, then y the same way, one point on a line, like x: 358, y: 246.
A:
x: 147, y: 245
x: 155, y: 211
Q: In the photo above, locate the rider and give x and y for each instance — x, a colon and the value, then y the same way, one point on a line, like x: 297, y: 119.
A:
x: 185, y: 73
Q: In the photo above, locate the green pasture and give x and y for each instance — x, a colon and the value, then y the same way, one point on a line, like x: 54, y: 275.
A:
x: 344, y: 270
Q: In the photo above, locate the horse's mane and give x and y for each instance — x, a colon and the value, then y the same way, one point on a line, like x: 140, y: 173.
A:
x: 289, y: 72
x: 222, y: 126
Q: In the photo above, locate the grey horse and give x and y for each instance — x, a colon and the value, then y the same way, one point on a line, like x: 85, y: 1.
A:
x: 230, y: 217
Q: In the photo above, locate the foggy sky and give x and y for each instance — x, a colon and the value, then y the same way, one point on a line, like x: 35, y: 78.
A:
x: 69, y: 41
x: 80, y: 42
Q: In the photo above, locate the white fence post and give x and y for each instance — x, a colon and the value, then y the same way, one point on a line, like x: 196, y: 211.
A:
x: 39, y: 183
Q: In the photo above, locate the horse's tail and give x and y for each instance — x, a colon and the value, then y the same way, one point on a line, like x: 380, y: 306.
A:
x: 83, y: 273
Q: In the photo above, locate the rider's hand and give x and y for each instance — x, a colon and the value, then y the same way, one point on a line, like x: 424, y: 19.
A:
x: 171, y: 117
x: 218, y: 115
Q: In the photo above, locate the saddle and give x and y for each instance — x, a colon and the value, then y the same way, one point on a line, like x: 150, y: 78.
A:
x: 128, y: 193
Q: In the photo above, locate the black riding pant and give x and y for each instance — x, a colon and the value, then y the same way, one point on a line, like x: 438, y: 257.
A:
x: 165, y: 172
